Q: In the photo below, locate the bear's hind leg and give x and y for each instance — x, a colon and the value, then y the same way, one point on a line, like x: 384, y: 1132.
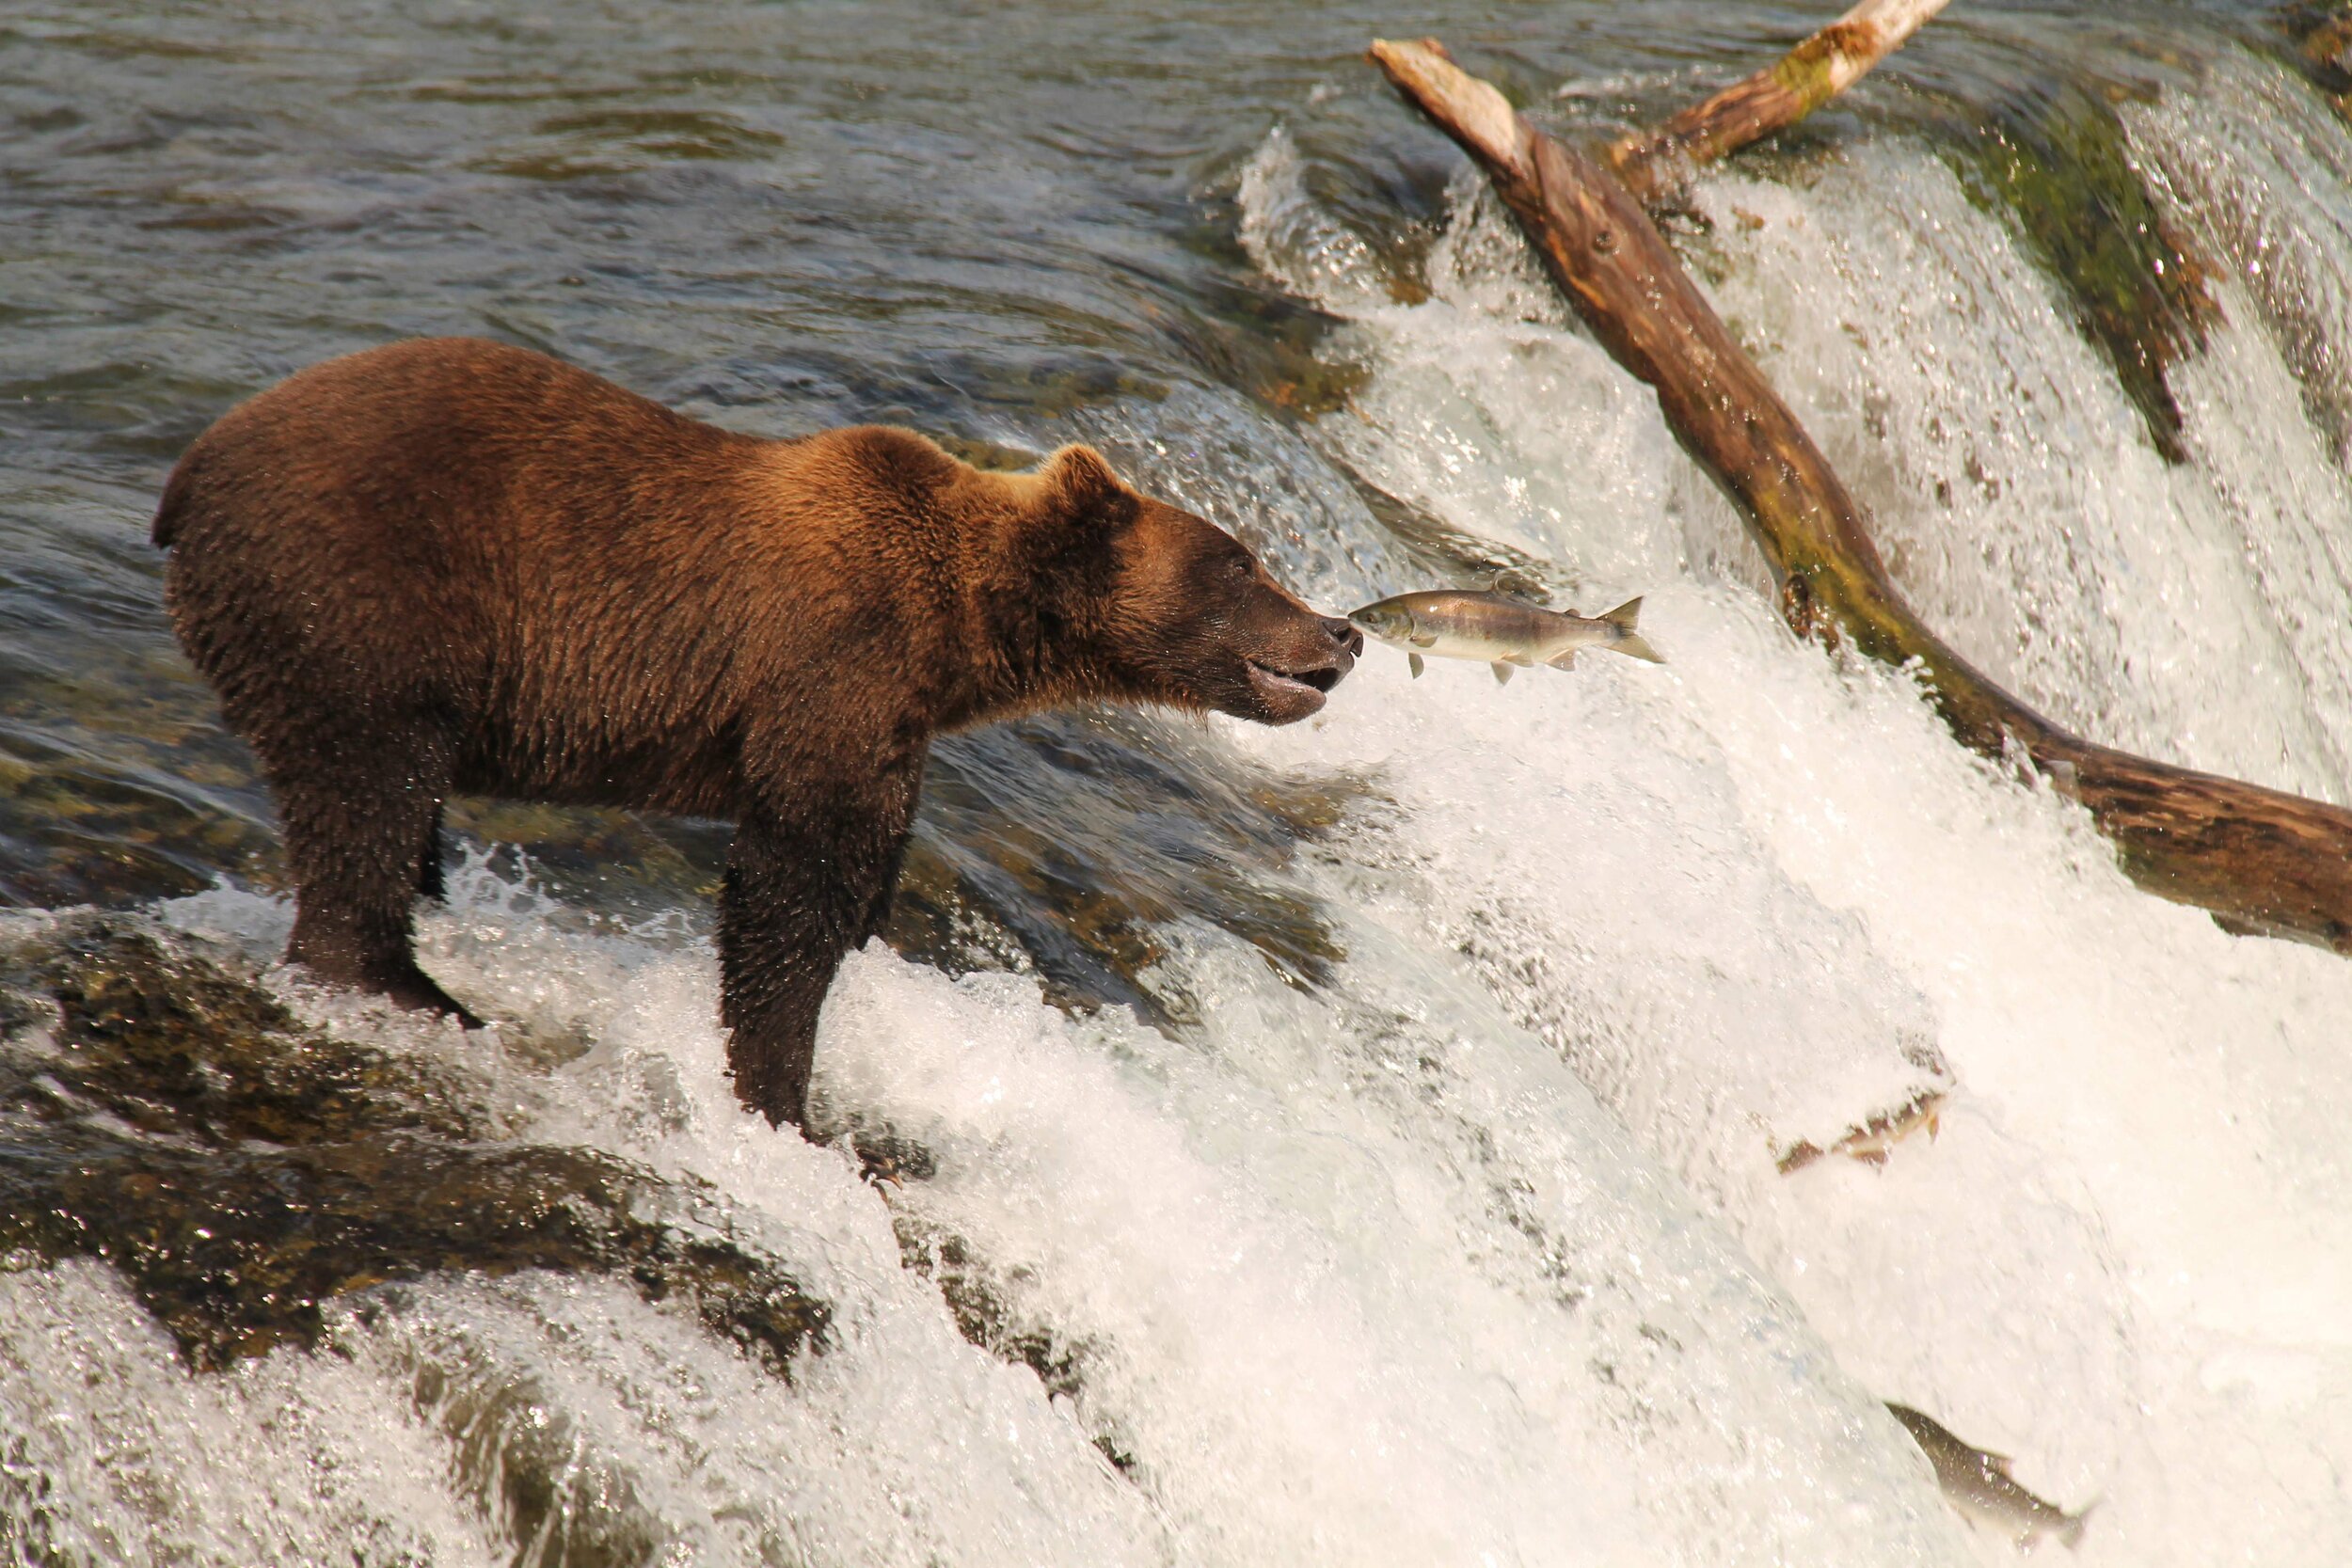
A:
x: 362, y: 845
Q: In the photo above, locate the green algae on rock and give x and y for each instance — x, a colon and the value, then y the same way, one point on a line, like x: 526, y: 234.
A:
x: 2054, y: 159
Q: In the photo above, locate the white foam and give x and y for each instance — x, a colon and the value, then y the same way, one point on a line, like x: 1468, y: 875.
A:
x: 1363, y: 1276
x: 1252, y: 1242
x: 1367, y: 1278
x: 2011, y: 484
x: 1730, y: 891
x: 111, y: 1451
x: 2265, y: 192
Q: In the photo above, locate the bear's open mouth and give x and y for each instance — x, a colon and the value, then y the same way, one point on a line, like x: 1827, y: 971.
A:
x: 1319, y: 681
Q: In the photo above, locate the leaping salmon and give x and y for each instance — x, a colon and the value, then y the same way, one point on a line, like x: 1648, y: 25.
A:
x: 1501, y: 630
x: 1979, y: 1485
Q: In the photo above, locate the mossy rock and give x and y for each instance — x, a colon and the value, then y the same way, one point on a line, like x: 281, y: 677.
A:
x: 2321, y: 33
x: 2054, y: 159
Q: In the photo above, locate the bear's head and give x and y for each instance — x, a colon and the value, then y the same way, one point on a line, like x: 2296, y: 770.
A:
x: 1163, y: 607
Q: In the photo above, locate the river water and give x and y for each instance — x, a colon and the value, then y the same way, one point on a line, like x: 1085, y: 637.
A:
x: 1359, y: 1143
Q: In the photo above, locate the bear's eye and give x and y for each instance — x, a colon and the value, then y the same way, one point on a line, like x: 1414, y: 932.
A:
x: 1240, y: 566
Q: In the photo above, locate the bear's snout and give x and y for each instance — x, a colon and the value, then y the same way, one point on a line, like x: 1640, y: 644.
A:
x: 1316, y: 654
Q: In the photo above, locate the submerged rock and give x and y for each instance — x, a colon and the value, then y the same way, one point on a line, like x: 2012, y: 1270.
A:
x: 1147, y: 834
x: 242, y: 1169
x: 982, y: 1307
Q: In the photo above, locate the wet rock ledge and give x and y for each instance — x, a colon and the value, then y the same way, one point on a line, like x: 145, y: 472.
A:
x: 242, y: 1169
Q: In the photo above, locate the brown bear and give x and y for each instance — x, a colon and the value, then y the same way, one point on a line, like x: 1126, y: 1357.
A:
x: 451, y: 566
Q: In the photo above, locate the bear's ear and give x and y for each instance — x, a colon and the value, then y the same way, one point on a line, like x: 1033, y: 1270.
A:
x: 1080, y: 478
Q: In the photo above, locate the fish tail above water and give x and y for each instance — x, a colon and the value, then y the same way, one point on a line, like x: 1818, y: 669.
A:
x: 1630, y: 643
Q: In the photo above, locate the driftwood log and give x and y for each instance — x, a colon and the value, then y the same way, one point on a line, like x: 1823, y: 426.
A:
x: 1652, y: 163
x: 2260, y: 859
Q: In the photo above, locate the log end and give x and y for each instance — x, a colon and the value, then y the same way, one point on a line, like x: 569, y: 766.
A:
x: 1470, y: 110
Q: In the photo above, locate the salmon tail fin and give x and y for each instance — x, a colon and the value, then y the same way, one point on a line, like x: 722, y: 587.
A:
x: 1635, y: 645
x: 1630, y: 643
x: 2071, y: 1537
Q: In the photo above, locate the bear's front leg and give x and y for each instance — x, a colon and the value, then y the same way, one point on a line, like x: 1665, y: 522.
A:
x: 805, y: 885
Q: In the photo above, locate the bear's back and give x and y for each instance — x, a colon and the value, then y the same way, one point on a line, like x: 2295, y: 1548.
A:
x: 592, y: 587
x: 470, y: 423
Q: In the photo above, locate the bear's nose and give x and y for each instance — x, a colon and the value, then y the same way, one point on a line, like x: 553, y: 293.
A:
x: 1351, y: 642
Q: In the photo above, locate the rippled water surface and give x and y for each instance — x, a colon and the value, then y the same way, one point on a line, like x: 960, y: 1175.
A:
x: 1386, y: 1140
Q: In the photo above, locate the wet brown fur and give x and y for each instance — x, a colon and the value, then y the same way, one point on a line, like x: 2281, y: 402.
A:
x: 449, y: 567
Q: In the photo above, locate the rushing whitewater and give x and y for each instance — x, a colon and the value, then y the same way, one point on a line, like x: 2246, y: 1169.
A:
x: 2127, y: 1260
x: 1470, y: 1241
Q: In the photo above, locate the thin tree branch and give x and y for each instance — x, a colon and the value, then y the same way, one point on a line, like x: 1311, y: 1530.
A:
x: 1654, y: 163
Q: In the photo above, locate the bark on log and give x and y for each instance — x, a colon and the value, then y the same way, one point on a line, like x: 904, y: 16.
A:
x: 2260, y: 859
x: 1653, y: 163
